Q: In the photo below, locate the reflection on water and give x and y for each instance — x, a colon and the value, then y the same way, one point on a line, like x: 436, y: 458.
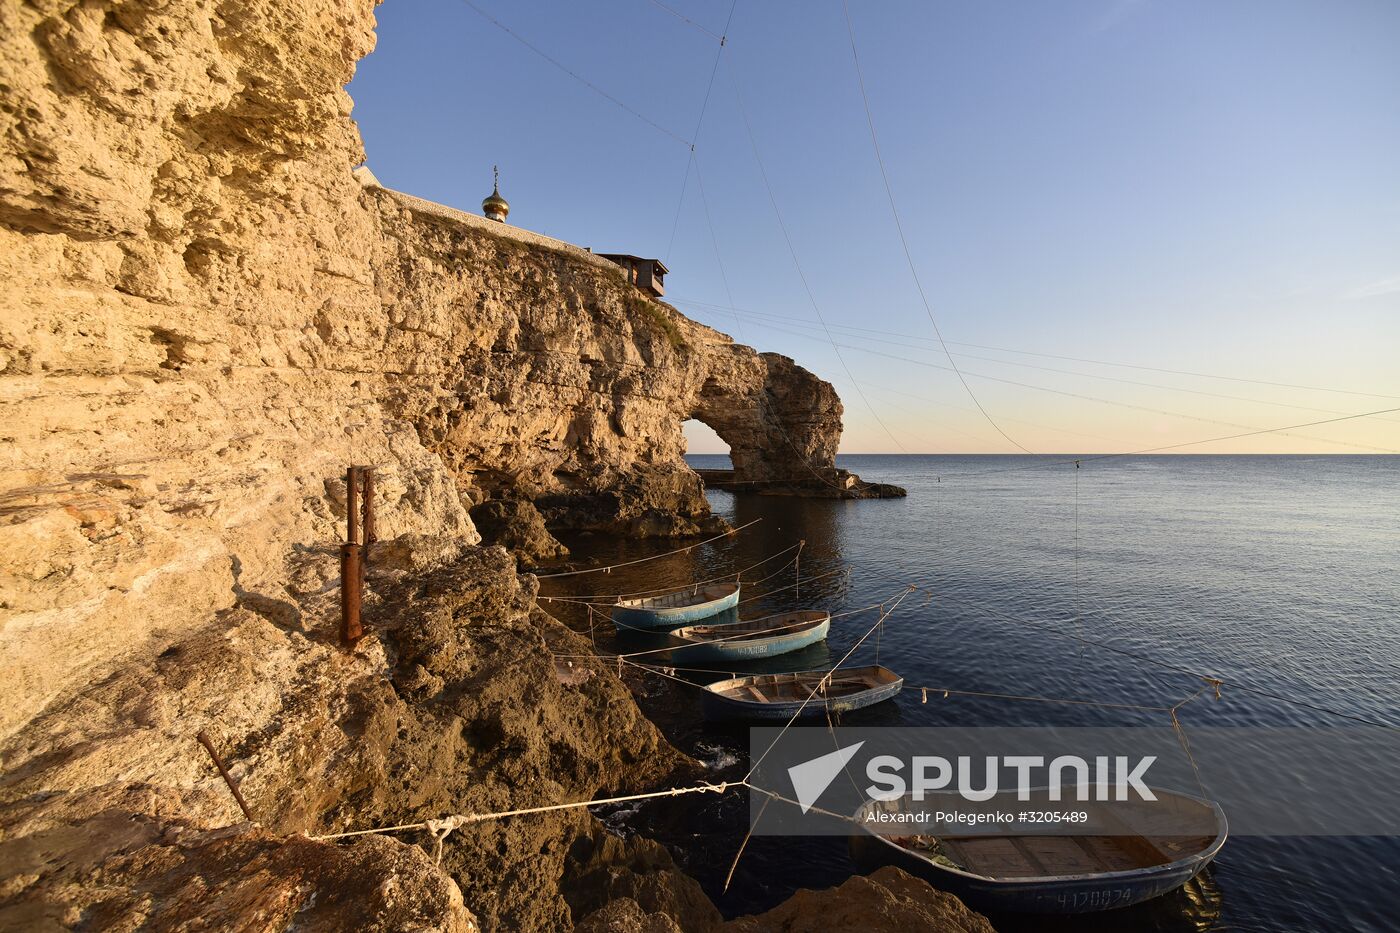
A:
x: 1275, y: 571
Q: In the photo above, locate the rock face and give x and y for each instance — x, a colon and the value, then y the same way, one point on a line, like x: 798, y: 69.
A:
x: 454, y: 703
x: 206, y: 317
x: 156, y: 873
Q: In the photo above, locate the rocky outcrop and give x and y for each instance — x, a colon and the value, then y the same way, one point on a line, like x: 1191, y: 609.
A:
x: 143, y: 871
x: 454, y: 703
x: 517, y: 526
x: 179, y: 240
x: 888, y: 901
x: 833, y: 483
x: 607, y: 871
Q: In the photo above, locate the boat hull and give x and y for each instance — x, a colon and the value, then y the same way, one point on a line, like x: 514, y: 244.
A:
x: 718, y: 706
x: 1069, y: 894
x: 649, y: 619
x: 752, y: 649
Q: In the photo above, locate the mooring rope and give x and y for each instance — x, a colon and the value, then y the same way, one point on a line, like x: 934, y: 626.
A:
x: 628, y: 655
x: 611, y: 598
x: 458, y: 820
x: 593, y: 608
x: 925, y: 691
x: 821, y: 684
x: 440, y: 828
x: 609, y: 568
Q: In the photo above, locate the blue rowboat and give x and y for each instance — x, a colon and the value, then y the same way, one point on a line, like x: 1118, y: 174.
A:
x: 1036, y: 874
x: 780, y: 696
x: 751, y: 639
x: 675, y: 609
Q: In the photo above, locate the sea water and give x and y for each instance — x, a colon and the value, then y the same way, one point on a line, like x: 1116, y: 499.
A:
x: 1279, y: 573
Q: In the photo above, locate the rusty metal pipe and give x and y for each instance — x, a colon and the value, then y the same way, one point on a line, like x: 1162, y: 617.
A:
x: 352, y: 505
x: 351, y: 594
x: 370, y: 538
x: 228, y: 778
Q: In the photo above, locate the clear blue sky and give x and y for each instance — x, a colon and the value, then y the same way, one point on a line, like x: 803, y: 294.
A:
x: 1208, y: 186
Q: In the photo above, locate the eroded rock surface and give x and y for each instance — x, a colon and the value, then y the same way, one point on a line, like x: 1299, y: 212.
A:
x: 517, y: 526
x: 452, y: 704
x: 158, y: 873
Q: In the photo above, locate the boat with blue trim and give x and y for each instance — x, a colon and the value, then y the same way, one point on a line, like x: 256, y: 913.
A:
x: 675, y: 609
x: 751, y: 639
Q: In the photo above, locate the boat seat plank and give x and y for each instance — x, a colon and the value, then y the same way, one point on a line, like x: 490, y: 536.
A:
x: 996, y: 857
x: 1062, y: 855
x: 1096, y: 855
x: 1118, y: 853
x: 1140, y: 846
x: 1030, y: 855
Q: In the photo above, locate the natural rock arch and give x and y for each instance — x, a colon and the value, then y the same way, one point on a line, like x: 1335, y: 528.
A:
x: 781, y: 422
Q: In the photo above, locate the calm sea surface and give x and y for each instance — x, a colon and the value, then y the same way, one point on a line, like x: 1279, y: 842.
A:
x: 1278, y: 572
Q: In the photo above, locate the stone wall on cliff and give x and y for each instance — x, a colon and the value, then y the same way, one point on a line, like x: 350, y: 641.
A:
x: 206, y: 318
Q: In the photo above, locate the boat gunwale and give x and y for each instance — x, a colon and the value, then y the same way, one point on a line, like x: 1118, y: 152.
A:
x: 639, y: 604
x: 819, y: 618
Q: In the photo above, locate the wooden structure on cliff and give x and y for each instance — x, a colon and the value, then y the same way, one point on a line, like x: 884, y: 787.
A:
x: 647, y: 274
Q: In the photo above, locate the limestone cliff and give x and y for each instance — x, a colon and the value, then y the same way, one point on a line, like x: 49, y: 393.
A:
x: 205, y: 318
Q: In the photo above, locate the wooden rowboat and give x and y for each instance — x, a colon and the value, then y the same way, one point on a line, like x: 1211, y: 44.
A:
x: 1014, y: 871
x: 751, y: 639
x: 780, y: 696
x: 673, y: 609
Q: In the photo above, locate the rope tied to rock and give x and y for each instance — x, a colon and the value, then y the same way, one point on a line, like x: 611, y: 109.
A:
x: 443, y: 827
x: 440, y: 830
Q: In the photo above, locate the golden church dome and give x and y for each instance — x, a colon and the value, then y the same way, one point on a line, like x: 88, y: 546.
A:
x: 496, y: 207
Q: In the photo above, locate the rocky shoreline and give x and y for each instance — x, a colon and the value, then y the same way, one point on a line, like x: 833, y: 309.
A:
x: 454, y: 703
